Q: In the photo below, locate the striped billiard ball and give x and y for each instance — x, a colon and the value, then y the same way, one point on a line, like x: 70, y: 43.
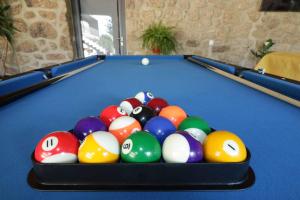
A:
x: 99, y: 147
x: 57, y: 147
x: 123, y: 127
x: 196, y: 127
x: 180, y: 147
x: 129, y: 104
x: 144, y: 97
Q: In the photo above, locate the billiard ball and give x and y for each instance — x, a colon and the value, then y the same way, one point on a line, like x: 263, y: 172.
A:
x: 99, y: 147
x: 124, y: 126
x: 142, y: 114
x: 261, y: 70
x: 144, y: 97
x: 141, y: 147
x: 111, y: 113
x: 160, y: 127
x: 145, y: 61
x: 180, y: 147
x: 174, y: 113
x: 157, y: 104
x: 129, y: 104
x: 196, y: 127
x: 57, y: 147
x: 224, y: 146
x: 88, y: 125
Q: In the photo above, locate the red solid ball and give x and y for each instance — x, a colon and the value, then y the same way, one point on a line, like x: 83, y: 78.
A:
x: 111, y: 113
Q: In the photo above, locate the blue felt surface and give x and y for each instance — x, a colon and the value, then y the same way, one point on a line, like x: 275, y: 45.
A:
x: 269, y: 127
x: 70, y: 66
x: 225, y: 67
x: 20, y: 82
x: 288, y: 88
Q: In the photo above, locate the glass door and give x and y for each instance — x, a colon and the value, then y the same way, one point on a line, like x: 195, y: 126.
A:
x: 100, y: 27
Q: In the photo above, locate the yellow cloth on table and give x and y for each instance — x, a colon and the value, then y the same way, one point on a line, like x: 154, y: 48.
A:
x: 282, y: 64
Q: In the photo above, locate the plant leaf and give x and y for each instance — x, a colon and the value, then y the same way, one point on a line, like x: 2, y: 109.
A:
x: 7, y: 28
x: 159, y: 36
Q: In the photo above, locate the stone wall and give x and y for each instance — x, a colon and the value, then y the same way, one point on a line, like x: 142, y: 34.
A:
x: 236, y: 26
x: 43, y: 38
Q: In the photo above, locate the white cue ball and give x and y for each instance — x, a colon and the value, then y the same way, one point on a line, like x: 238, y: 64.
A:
x: 145, y: 61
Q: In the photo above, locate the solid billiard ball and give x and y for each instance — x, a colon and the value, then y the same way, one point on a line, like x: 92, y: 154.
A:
x: 145, y: 61
x: 144, y: 97
x: 224, y: 146
x: 87, y: 126
x: 124, y: 126
x: 142, y: 114
x: 99, y: 147
x: 160, y: 127
x: 129, y: 104
x: 180, y: 147
x: 141, y: 147
x: 174, y: 113
x: 57, y: 147
x: 196, y: 127
x: 111, y: 113
x: 157, y: 104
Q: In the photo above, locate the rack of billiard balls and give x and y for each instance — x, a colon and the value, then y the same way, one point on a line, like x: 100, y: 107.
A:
x: 142, y: 129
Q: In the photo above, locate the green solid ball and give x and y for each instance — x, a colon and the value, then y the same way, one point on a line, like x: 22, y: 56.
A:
x: 141, y: 147
x: 196, y: 127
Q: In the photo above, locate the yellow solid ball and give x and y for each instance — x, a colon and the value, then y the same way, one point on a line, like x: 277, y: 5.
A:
x: 224, y: 146
x: 99, y: 147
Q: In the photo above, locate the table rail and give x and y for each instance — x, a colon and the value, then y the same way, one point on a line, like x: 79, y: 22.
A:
x: 20, y: 93
x: 246, y: 82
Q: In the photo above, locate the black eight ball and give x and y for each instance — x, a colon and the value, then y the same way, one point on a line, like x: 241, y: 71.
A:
x: 142, y: 114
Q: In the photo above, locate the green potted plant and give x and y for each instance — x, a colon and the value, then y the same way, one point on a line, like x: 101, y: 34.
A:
x: 264, y: 49
x: 160, y: 39
x: 7, y: 30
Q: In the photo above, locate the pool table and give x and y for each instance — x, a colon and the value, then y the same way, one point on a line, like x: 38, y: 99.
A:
x: 269, y: 126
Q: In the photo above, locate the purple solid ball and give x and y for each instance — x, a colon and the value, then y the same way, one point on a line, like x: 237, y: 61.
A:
x: 196, y: 150
x: 87, y: 126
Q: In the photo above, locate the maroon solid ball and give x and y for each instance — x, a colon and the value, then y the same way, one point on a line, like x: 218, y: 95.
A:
x: 157, y: 104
